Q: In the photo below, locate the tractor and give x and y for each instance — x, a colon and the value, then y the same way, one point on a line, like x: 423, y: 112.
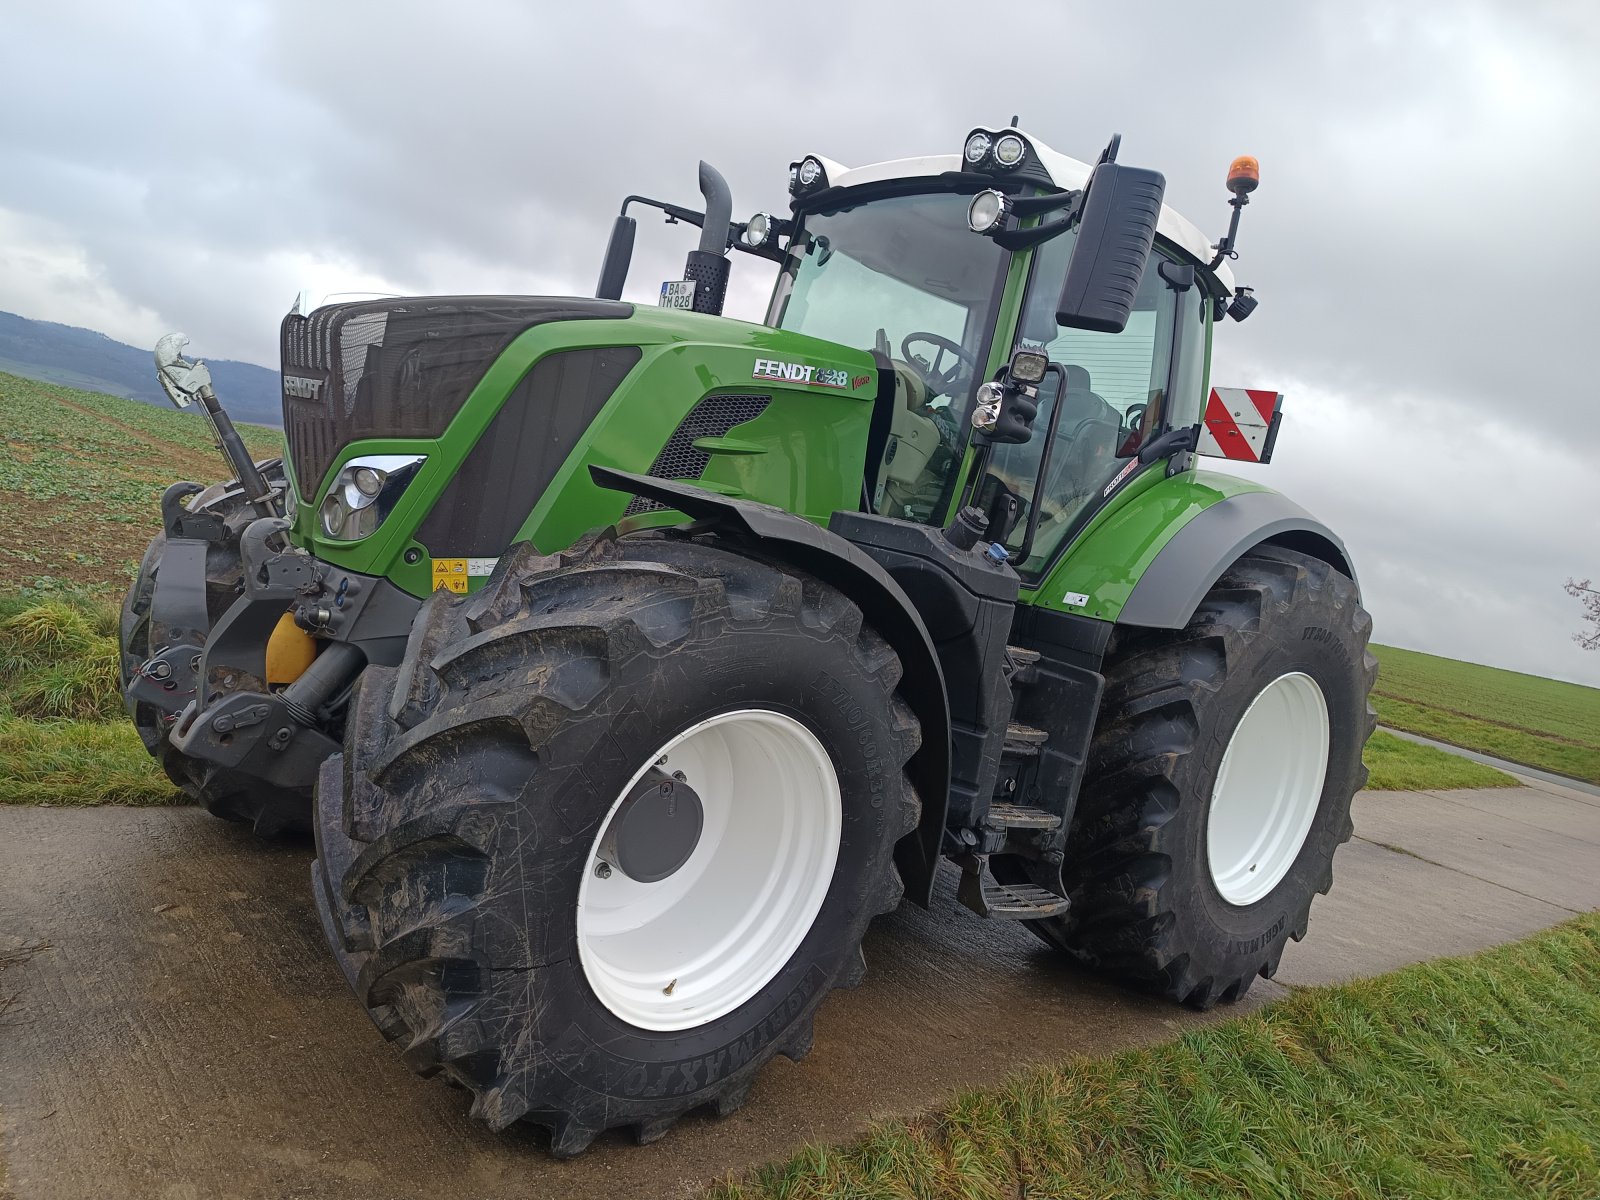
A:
x: 626, y: 661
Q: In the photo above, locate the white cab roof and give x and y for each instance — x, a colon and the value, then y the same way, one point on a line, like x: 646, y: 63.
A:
x: 1066, y: 173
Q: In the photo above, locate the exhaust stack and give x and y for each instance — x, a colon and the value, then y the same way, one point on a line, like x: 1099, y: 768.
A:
x: 707, y: 267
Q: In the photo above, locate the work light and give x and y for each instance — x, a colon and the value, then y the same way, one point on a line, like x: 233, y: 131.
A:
x: 977, y: 147
x: 757, y: 230
x: 1008, y: 151
x: 810, y: 172
x: 986, y: 210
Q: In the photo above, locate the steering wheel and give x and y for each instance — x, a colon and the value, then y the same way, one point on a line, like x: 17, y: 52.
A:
x: 937, y: 380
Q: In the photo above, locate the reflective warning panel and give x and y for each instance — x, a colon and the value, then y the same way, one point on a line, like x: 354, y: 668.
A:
x: 1240, y: 423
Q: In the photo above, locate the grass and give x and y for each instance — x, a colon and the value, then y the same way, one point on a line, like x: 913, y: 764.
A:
x: 1542, y: 723
x: 1467, y: 1077
x: 64, y: 738
x: 1397, y: 765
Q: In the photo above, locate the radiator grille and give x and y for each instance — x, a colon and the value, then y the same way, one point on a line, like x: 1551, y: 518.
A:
x: 397, y: 368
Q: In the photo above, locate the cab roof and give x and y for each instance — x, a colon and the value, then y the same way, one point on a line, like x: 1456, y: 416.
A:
x: 1064, y: 172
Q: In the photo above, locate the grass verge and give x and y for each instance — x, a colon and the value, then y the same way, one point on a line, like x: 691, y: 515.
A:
x: 64, y: 738
x: 1396, y: 765
x: 1466, y: 1077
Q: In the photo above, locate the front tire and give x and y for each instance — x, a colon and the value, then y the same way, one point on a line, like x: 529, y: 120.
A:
x: 460, y: 840
x: 1223, y: 765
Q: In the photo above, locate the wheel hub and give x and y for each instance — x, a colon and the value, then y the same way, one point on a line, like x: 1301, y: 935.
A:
x: 655, y: 830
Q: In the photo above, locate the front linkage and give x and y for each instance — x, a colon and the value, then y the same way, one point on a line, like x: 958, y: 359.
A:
x: 225, y: 711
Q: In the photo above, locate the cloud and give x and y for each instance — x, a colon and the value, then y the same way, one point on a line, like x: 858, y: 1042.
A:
x: 1420, y: 242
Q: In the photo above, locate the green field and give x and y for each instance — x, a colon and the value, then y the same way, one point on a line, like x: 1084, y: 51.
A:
x: 1461, y: 1077
x: 1523, y: 718
x: 81, y: 477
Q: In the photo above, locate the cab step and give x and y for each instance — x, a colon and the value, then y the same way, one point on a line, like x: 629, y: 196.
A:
x: 1018, y: 665
x: 1024, y: 741
x: 1022, y: 656
x: 997, y: 901
x: 1017, y: 816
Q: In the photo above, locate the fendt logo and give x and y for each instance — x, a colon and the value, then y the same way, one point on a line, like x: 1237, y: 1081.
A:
x: 793, y: 372
x: 302, y: 388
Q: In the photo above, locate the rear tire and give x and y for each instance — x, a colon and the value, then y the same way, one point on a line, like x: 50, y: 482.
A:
x: 226, y: 794
x: 458, y: 837
x: 1207, y: 821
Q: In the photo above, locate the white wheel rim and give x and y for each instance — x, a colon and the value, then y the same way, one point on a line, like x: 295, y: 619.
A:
x: 698, y: 944
x: 1268, y: 788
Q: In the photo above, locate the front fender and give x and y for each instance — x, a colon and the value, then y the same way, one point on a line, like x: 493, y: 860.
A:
x: 884, y: 605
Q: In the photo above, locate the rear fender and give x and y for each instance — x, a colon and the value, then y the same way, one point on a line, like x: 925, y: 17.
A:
x: 1178, y: 578
x: 886, y: 607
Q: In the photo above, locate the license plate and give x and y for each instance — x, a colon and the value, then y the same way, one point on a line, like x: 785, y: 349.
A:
x: 677, y: 293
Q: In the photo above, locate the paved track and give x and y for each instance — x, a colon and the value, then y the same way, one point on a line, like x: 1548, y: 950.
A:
x: 185, y: 1033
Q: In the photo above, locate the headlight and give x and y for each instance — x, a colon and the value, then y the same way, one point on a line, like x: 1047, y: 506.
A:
x: 757, y: 230
x: 334, y: 515
x: 365, y: 492
x: 986, y: 210
x: 1008, y: 151
x: 977, y: 146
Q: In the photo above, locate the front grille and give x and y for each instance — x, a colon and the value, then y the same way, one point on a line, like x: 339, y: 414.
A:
x: 398, y: 368
x: 713, y: 416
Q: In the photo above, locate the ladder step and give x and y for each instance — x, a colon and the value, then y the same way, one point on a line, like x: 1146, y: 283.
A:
x: 1022, y: 656
x: 1023, y: 741
x: 1008, y: 901
x: 1017, y: 816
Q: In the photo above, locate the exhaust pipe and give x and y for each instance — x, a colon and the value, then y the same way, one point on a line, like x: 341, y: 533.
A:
x: 707, y: 267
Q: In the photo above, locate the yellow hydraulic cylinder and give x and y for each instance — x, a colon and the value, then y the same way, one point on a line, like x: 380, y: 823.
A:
x: 290, y: 650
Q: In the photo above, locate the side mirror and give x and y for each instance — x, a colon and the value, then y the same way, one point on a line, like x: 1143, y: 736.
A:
x: 1115, y: 234
x: 619, y: 253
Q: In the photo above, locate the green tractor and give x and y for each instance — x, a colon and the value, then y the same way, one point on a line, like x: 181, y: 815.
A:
x: 627, y: 661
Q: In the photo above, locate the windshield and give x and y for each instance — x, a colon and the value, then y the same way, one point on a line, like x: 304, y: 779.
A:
x: 905, y: 276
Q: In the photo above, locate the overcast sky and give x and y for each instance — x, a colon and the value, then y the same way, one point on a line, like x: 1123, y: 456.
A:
x: 1424, y: 243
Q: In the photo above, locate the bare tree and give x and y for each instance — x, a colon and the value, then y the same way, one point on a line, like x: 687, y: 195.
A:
x: 1589, y: 597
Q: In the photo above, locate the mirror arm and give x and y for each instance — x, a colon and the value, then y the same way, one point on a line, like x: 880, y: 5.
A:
x: 1165, y: 445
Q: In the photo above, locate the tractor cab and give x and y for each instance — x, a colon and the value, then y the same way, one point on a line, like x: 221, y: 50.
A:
x: 946, y: 266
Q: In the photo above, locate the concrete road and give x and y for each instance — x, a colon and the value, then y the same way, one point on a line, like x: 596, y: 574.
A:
x: 184, y: 1033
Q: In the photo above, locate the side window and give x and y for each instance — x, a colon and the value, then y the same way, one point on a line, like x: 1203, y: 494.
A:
x: 1114, y: 396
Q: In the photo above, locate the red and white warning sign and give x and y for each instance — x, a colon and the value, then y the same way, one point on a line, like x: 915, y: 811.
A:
x: 1239, y: 423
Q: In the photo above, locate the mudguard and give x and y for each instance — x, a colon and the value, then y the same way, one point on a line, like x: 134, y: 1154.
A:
x: 886, y: 607
x: 1178, y: 578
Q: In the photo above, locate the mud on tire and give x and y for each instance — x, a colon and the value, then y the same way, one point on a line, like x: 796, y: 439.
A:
x: 1145, y: 905
x: 454, y: 832
x: 224, y: 794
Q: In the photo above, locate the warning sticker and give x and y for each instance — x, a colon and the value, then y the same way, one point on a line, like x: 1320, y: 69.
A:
x: 453, y: 573
x: 450, y: 573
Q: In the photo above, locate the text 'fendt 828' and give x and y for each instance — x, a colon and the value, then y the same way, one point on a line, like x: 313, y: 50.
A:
x: 627, y: 661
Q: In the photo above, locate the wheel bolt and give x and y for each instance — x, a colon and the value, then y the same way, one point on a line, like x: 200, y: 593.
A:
x: 602, y: 870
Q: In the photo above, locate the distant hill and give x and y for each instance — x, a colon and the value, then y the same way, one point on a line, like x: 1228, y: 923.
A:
x: 90, y: 361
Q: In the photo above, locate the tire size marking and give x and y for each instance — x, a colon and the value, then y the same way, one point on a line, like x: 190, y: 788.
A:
x: 1260, y: 940
x: 860, y: 724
